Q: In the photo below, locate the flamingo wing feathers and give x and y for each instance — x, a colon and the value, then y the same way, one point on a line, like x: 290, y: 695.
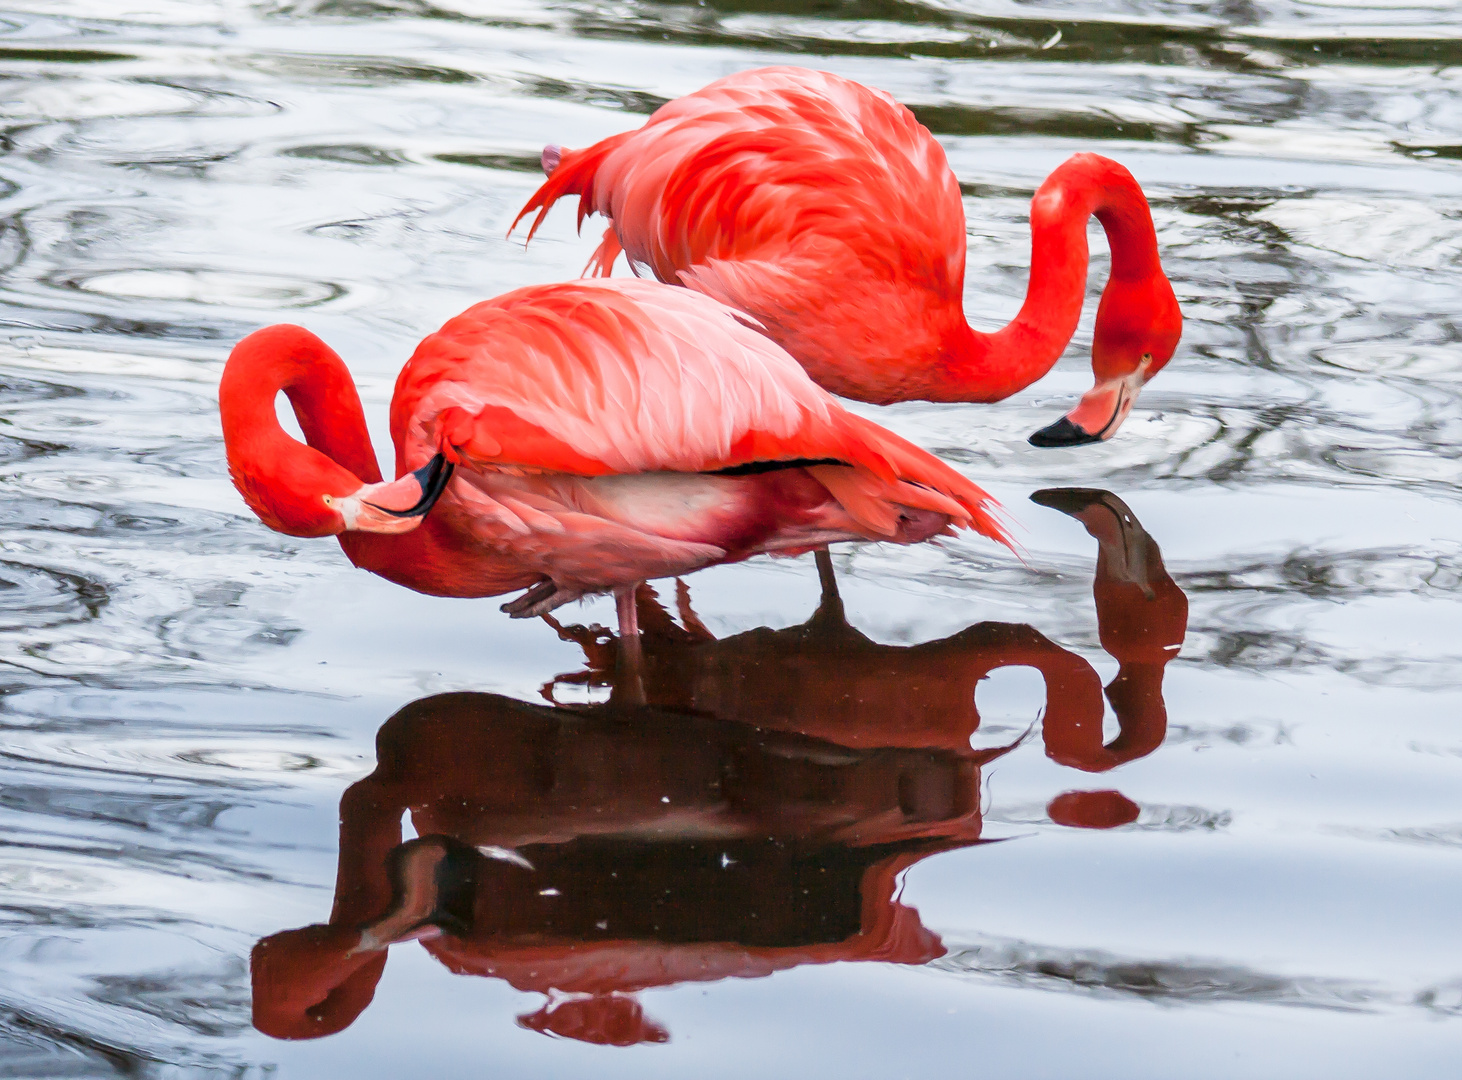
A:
x: 599, y: 377
x: 606, y: 377
x: 821, y: 207
x: 770, y: 156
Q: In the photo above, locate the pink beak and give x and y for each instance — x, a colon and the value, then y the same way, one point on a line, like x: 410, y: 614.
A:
x: 397, y: 506
x: 1098, y: 415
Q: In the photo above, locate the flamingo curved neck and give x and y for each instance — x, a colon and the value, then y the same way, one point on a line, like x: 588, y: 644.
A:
x: 277, y: 473
x: 291, y: 360
x: 989, y: 367
x: 283, y: 480
x: 287, y: 483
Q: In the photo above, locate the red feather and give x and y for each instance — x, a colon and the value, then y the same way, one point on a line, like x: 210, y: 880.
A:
x: 826, y: 211
x: 588, y: 422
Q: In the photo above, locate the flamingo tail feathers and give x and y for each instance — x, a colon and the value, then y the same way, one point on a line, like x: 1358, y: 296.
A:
x: 899, y: 472
x: 601, y: 263
x: 570, y: 172
x: 864, y: 496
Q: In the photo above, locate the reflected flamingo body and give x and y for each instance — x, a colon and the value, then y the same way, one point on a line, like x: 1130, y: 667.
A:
x: 599, y: 851
x: 827, y: 212
x: 755, y: 817
x: 826, y: 679
x: 577, y: 438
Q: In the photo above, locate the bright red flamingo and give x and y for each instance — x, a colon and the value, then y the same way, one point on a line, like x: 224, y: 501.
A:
x: 576, y: 438
x: 828, y: 212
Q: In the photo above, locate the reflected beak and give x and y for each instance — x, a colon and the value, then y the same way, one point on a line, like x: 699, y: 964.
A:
x: 1115, y: 528
x: 398, y: 506
x: 1098, y: 415
x: 416, y: 892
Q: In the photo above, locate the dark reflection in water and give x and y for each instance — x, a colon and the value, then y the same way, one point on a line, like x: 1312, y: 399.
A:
x: 602, y: 850
x: 184, y: 695
x: 752, y: 816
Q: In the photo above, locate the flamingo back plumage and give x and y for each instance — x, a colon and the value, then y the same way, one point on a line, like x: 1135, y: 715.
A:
x: 821, y: 207
x: 600, y: 433
x: 608, y: 378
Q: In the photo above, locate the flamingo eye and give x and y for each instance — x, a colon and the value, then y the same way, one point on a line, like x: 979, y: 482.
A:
x: 329, y: 501
x: 1147, y: 356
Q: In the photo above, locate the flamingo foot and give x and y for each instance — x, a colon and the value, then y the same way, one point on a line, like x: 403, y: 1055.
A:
x: 539, y: 600
x: 552, y: 155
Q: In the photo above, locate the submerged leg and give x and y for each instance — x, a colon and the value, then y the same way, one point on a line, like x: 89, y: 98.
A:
x: 831, y: 604
x: 825, y: 574
x: 627, y: 676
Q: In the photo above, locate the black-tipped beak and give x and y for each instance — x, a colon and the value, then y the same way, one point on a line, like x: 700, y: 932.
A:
x: 432, y: 477
x: 1070, y: 500
x: 1063, y: 433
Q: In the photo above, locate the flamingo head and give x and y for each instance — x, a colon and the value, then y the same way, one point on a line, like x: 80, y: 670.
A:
x: 1137, y: 330
x: 317, y: 497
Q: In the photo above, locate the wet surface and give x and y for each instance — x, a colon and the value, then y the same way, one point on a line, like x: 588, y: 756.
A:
x: 1241, y: 858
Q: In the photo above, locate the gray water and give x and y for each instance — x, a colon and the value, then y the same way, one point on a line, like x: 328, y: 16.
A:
x: 188, y: 696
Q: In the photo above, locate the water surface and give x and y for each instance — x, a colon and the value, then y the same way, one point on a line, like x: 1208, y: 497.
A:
x: 809, y: 854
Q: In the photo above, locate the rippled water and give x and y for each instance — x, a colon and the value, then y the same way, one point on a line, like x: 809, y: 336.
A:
x: 783, y: 865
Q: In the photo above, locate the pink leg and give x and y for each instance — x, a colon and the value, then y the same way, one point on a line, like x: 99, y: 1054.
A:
x: 630, y: 660
x: 825, y: 574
